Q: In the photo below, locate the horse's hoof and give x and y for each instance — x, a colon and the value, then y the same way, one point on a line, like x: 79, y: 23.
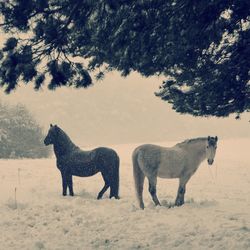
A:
x: 179, y: 203
x: 99, y: 196
x: 71, y: 194
x: 64, y: 194
x: 142, y: 206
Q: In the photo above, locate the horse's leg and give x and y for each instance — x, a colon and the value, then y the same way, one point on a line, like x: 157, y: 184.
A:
x: 106, y: 186
x: 181, y: 190
x: 152, y: 181
x: 64, y: 183
x: 104, y: 189
x: 70, y: 184
x: 113, y: 178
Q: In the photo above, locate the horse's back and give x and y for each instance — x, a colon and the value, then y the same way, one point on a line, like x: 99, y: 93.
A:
x: 90, y: 155
x: 105, y: 152
x: 148, y: 156
x: 167, y: 161
x: 148, y: 148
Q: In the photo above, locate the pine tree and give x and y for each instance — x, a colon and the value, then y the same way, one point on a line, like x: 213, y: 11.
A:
x: 202, y: 47
x: 20, y: 135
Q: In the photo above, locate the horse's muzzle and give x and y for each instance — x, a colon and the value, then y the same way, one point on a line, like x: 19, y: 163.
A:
x: 46, y: 143
x: 210, y: 162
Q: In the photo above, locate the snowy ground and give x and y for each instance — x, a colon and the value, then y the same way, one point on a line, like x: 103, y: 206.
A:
x: 215, y: 216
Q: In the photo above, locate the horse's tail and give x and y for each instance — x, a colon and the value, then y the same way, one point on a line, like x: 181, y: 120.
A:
x: 138, y: 178
x: 114, y: 185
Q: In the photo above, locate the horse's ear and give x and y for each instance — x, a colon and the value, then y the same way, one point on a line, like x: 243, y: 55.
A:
x: 216, y: 138
x: 51, y: 125
x: 208, y: 138
x: 56, y: 127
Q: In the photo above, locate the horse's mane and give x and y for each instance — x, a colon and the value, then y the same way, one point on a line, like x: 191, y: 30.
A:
x: 189, y: 141
x: 67, y: 139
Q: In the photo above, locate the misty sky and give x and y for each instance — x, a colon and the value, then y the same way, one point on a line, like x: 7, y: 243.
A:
x: 118, y: 110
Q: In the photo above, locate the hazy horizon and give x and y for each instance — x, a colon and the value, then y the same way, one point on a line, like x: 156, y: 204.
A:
x: 120, y: 110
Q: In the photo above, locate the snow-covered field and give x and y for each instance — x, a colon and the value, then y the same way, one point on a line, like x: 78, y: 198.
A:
x: 216, y: 214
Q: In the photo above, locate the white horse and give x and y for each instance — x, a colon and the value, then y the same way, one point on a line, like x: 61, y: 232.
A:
x: 180, y: 161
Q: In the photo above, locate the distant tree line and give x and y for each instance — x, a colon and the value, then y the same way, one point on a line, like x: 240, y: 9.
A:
x: 20, y: 135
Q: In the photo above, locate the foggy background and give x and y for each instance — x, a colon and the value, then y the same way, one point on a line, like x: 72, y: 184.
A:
x: 120, y: 110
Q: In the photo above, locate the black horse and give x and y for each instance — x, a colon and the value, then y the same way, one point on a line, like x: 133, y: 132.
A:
x: 71, y: 160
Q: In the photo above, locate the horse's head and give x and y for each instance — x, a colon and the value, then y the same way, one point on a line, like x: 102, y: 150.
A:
x: 211, y: 146
x: 52, y: 135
